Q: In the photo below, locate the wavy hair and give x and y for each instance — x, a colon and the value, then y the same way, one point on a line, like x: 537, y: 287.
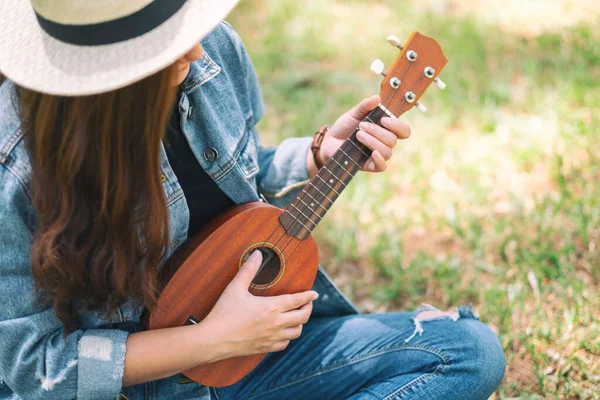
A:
x: 102, y: 218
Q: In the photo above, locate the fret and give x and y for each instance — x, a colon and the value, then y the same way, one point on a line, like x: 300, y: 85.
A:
x: 352, y: 159
x: 355, y: 145
x: 310, y: 207
x: 308, y: 194
x: 385, y: 110
x: 340, y: 165
x: 330, y: 187
x: 322, y: 194
x: 297, y: 220
x: 304, y: 215
x: 332, y: 174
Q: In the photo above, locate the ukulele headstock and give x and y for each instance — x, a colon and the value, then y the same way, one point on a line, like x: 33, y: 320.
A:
x: 416, y: 67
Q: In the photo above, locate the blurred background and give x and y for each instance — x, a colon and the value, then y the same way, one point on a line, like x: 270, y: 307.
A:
x: 494, y: 200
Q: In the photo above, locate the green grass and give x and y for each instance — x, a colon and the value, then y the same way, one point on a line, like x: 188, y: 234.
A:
x: 494, y: 200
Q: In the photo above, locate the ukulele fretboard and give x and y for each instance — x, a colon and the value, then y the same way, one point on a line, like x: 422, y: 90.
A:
x: 303, y: 214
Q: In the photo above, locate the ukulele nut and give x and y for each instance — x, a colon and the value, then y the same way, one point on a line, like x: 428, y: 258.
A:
x: 411, y: 55
x: 395, y: 83
x: 429, y: 72
x: 410, y: 97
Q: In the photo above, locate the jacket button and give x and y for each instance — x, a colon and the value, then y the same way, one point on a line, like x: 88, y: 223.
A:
x: 211, y: 154
x: 163, y: 177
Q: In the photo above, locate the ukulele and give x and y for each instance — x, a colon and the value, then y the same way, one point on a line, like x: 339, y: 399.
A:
x: 208, y: 261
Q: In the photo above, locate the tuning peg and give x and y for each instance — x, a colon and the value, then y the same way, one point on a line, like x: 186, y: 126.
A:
x: 439, y: 83
x: 378, y: 67
x: 421, y: 107
x: 395, y: 41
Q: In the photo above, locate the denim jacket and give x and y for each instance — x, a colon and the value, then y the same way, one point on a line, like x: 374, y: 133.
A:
x: 220, y: 104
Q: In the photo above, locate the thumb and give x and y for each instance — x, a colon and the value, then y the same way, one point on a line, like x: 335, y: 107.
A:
x: 364, y: 107
x: 249, y: 269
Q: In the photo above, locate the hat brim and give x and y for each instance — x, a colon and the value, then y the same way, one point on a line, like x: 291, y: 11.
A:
x: 33, y: 59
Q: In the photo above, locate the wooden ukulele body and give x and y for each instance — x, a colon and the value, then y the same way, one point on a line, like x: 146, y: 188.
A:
x: 212, y: 258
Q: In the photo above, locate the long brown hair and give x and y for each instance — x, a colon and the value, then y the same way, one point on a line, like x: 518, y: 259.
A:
x: 102, y: 227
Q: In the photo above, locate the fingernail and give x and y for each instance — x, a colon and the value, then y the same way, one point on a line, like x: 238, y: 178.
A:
x: 316, y: 296
x: 361, y: 135
x: 363, y: 125
x: 255, y: 254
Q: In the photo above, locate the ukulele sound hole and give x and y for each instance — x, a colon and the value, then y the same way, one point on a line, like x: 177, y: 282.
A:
x: 270, y: 268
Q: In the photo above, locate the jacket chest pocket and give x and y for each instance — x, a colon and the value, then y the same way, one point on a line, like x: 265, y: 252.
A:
x: 223, y: 129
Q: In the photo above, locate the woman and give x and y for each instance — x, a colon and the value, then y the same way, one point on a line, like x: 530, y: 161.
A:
x: 93, y: 203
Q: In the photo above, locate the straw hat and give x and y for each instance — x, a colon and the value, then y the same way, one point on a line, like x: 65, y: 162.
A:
x: 83, y: 47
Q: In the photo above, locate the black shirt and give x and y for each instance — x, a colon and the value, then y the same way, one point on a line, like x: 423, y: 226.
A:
x: 204, y: 198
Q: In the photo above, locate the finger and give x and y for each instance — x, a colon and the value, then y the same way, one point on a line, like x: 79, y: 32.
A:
x: 291, y: 333
x: 288, y: 302
x: 382, y: 134
x: 279, y: 346
x: 376, y: 163
x: 380, y: 164
x: 248, y: 271
x: 297, y: 317
x: 364, y: 107
x: 397, y: 127
x: 374, y: 144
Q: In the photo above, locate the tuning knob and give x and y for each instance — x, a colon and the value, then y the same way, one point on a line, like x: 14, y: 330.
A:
x: 439, y: 83
x: 378, y: 67
x: 421, y: 107
x: 395, y: 41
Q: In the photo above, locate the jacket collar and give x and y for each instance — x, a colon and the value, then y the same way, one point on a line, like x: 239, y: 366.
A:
x: 201, y: 71
x: 10, y: 124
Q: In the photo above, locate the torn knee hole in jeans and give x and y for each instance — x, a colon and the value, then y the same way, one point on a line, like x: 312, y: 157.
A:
x: 429, y: 313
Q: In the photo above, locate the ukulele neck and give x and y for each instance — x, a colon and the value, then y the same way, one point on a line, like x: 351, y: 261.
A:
x: 303, y: 214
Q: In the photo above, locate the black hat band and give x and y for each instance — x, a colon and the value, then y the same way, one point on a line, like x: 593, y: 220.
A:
x: 117, y: 30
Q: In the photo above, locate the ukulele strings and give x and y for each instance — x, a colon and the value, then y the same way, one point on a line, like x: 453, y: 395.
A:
x: 387, y: 101
x: 297, y: 223
x: 304, y: 206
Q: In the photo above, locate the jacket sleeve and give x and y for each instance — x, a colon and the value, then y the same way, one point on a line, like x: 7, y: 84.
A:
x: 282, y: 169
x: 37, y: 360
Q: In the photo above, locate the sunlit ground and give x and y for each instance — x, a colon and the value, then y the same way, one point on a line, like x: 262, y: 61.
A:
x: 494, y: 200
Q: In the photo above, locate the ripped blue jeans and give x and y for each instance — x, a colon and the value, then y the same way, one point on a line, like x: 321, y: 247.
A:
x: 381, y: 356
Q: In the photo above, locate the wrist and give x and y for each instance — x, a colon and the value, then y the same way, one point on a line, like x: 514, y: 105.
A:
x: 213, y: 344
x: 319, y: 158
x: 316, y: 147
